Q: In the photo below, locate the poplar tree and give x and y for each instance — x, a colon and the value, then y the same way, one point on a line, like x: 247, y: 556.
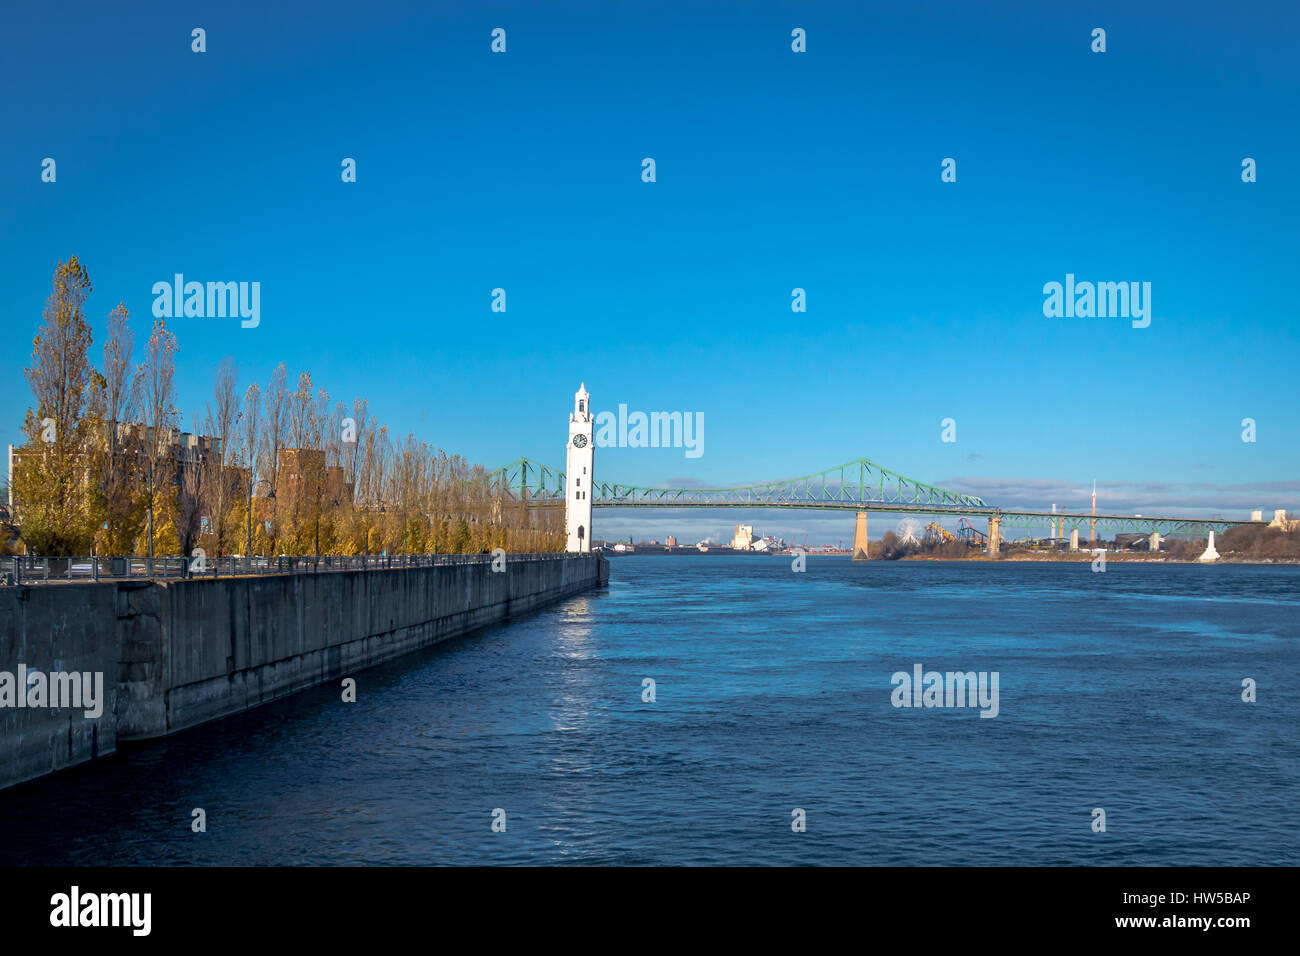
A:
x: 251, y: 437
x: 51, y: 471
x: 219, y: 489
x: 275, y: 423
x: 157, y: 390
x: 118, y: 500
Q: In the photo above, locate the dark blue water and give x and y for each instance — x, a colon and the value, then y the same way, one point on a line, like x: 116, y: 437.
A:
x: 1119, y: 690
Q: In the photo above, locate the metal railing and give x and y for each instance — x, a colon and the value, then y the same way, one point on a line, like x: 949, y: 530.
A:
x: 39, y: 570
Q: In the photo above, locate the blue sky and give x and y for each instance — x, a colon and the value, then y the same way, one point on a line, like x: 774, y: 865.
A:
x: 775, y: 170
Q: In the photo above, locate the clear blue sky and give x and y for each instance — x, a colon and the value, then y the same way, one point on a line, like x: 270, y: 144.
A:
x: 775, y: 170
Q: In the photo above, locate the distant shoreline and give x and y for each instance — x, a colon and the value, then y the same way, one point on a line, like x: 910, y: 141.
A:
x: 1115, y: 556
x: 1066, y: 557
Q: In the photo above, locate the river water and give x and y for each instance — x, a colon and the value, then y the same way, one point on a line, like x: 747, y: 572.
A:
x: 1119, y: 691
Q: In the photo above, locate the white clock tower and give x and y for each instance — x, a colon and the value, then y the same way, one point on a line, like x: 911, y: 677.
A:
x: 578, y: 465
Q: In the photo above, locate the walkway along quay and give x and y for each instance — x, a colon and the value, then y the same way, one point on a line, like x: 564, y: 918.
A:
x: 86, y: 664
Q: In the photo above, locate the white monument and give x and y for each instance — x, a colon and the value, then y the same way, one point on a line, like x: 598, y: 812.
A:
x: 1210, y: 554
x: 578, y: 465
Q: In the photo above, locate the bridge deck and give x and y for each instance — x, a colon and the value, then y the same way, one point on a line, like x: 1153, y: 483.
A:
x: 860, y: 485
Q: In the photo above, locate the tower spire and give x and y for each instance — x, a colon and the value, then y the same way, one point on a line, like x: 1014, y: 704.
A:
x: 581, y: 404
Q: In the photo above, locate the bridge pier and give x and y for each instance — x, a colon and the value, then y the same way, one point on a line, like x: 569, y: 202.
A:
x: 1074, y: 539
x: 861, y: 546
x: 995, y: 536
x: 1155, y: 541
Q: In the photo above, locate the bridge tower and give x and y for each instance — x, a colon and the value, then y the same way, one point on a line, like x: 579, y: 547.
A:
x: 579, y: 466
x: 861, y: 544
x: 995, y: 535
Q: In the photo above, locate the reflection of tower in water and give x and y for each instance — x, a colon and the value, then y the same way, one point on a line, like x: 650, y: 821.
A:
x: 574, y: 646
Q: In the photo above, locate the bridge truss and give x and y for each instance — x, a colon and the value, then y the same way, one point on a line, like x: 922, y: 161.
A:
x: 851, y: 485
x: 860, y: 485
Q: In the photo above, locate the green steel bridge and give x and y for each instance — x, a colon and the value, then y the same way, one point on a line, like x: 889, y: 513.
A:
x: 860, y: 485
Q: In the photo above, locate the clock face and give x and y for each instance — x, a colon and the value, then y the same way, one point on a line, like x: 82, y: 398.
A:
x: 579, y: 441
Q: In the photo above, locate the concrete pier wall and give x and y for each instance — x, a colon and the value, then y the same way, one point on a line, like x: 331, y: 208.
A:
x: 54, y: 629
x: 176, y: 654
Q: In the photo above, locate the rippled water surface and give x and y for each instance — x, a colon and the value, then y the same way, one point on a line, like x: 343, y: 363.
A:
x: 1119, y: 690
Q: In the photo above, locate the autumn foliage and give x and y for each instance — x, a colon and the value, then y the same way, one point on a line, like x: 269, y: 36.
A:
x: 274, y: 469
